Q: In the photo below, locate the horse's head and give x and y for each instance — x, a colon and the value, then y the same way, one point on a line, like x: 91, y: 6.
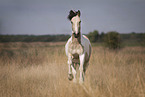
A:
x: 74, y: 17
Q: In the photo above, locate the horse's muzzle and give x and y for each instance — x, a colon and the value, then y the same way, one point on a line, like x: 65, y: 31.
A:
x: 76, y: 35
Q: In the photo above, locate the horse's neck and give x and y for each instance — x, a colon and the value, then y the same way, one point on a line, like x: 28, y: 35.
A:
x: 76, y: 40
x: 75, y: 46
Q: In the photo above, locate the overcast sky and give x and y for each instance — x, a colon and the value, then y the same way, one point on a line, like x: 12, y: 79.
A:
x: 41, y: 17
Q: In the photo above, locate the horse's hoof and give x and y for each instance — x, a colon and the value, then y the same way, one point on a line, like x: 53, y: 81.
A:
x: 81, y: 82
x: 74, y: 80
x: 70, y: 77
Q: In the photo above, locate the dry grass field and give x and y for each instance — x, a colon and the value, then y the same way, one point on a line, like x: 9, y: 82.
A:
x: 40, y: 70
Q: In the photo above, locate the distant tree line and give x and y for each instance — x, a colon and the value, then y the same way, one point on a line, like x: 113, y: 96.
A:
x: 115, y: 40
x: 94, y: 36
x: 33, y: 38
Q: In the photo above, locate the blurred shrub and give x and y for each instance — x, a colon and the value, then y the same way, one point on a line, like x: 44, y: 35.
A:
x: 112, y: 40
x: 93, y: 36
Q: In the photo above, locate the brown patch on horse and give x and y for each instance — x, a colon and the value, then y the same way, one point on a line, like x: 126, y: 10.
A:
x: 75, y: 58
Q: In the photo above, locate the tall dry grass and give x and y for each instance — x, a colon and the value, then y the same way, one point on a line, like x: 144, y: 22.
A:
x: 40, y: 70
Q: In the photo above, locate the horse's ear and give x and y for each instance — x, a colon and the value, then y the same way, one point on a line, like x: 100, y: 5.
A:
x: 79, y: 13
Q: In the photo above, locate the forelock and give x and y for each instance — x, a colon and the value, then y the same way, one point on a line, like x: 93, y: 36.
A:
x: 72, y: 14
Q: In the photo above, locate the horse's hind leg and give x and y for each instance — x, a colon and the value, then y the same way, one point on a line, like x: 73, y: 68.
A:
x: 86, y: 66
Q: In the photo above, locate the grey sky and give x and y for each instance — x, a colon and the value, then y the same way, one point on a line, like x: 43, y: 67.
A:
x: 50, y: 16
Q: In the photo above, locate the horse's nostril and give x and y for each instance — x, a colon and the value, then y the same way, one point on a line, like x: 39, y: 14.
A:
x: 75, y: 35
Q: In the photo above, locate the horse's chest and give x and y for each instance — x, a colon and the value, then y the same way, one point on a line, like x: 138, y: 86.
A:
x: 75, y: 48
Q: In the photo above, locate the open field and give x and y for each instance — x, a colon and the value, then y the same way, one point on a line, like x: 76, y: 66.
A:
x: 40, y: 70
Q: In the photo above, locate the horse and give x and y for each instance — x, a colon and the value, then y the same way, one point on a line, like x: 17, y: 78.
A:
x: 77, y: 48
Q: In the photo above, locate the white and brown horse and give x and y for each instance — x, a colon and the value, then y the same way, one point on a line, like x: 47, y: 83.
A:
x: 77, y: 48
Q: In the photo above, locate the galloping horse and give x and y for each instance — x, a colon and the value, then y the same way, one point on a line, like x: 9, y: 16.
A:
x: 77, y: 48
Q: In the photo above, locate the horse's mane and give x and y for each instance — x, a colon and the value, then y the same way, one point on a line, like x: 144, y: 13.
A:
x: 72, y: 14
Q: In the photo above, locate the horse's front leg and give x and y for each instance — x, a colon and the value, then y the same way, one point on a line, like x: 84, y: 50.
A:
x: 81, y: 68
x: 74, y: 72
x: 70, y: 76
